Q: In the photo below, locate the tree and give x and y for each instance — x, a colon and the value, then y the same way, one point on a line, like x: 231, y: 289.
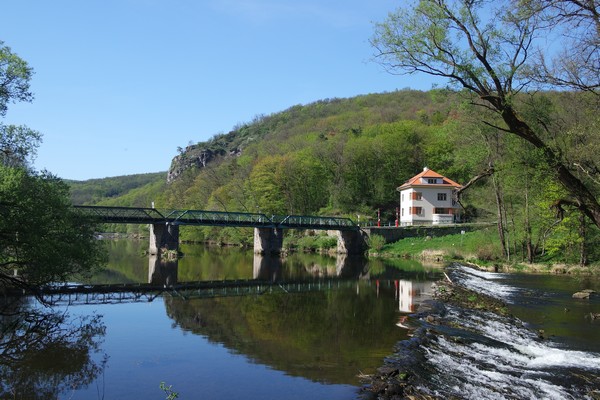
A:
x: 42, y: 238
x: 18, y: 145
x: 485, y: 47
x: 15, y: 75
x: 576, y: 24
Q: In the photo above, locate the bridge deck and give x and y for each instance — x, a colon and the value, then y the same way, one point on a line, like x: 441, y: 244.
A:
x: 133, y: 215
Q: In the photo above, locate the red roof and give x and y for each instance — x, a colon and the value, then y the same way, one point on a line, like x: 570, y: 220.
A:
x: 427, y: 173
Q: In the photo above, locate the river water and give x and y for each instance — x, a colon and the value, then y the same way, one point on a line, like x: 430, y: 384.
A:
x: 547, y: 348
x: 279, y: 344
x: 274, y: 344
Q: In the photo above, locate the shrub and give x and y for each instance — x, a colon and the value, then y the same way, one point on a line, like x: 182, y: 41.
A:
x: 376, y: 242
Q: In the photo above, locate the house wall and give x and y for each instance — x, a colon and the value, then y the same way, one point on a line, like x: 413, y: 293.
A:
x: 429, y: 201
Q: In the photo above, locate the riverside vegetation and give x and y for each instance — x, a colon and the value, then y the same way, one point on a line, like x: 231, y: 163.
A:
x: 347, y: 156
x: 519, y: 128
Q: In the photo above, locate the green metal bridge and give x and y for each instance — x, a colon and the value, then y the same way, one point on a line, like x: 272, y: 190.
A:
x: 134, y: 215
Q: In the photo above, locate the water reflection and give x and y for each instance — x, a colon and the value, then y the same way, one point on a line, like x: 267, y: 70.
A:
x: 326, y: 336
x: 346, y: 324
x: 162, y: 272
x: 410, y: 294
x: 272, y: 268
x: 44, y: 353
x: 266, y: 268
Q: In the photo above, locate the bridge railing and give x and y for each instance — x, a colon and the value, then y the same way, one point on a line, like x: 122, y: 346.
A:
x: 121, y: 214
x: 219, y: 218
x: 314, y: 222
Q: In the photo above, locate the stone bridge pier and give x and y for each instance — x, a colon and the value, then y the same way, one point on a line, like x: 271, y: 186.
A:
x: 350, y: 242
x: 268, y: 240
x: 163, y: 236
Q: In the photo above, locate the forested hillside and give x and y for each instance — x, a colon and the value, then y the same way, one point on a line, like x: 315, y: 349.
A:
x: 348, y: 156
x: 119, y: 190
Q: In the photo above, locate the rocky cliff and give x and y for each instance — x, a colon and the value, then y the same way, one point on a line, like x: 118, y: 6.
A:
x: 197, y: 156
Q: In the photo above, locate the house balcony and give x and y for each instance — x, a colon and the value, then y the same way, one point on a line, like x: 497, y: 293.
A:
x: 442, y: 219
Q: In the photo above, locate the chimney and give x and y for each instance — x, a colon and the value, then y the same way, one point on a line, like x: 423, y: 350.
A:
x: 425, y: 169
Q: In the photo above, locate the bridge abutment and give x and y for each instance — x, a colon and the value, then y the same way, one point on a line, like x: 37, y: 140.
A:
x: 268, y: 240
x: 163, y: 236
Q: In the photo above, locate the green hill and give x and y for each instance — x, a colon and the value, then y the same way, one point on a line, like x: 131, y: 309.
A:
x: 119, y: 190
x: 347, y: 157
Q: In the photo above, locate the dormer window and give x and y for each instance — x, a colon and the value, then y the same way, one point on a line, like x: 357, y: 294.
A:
x: 431, y: 180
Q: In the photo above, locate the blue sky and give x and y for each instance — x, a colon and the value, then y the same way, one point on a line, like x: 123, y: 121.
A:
x: 120, y: 84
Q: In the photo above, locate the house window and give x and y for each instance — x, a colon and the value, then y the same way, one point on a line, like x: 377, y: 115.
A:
x: 440, y: 211
x: 441, y: 196
x: 402, y: 196
x: 410, y: 211
x: 431, y: 180
x: 416, y: 196
x: 416, y: 211
x: 402, y: 212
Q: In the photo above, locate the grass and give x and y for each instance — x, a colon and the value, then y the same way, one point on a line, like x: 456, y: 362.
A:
x: 481, y: 245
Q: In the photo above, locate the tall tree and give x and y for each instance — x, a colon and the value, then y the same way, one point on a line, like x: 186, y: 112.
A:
x: 42, y: 239
x: 485, y: 47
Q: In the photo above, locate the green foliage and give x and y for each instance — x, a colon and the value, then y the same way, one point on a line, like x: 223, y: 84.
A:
x: 15, y: 75
x: 346, y: 157
x: 41, y: 236
x: 18, y: 145
x: 376, y: 242
x: 169, y: 392
x: 310, y: 243
x: 131, y: 190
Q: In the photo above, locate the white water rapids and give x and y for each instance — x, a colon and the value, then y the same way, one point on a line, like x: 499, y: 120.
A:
x: 482, y: 355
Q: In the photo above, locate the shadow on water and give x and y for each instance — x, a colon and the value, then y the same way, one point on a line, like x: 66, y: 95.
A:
x: 46, y: 353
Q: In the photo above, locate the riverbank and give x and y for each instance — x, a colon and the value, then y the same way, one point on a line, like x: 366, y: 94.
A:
x: 466, y: 343
x: 478, y: 248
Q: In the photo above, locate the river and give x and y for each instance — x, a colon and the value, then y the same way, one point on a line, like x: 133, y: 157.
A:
x: 301, y: 345
x: 546, y: 347
x: 269, y: 345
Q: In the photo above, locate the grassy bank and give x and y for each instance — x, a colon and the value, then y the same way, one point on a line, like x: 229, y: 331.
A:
x: 477, y: 245
x: 481, y: 247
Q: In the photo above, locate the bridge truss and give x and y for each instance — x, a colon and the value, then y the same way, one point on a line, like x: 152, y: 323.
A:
x: 134, y: 215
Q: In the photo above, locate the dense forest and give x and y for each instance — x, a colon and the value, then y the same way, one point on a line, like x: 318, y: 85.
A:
x: 347, y: 157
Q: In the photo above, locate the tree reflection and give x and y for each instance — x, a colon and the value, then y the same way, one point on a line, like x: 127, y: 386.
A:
x: 44, y: 353
x: 327, y: 336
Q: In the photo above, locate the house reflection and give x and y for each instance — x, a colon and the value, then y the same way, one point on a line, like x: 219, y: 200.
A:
x: 410, y: 294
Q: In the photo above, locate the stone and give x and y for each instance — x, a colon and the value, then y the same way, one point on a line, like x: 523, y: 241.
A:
x: 581, y: 295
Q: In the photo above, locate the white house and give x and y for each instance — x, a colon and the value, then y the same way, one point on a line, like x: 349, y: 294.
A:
x: 428, y: 198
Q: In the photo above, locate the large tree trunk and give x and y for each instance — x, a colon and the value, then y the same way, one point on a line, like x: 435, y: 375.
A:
x: 500, y: 213
x: 582, y: 197
x: 583, y: 259
x: 528, y: 240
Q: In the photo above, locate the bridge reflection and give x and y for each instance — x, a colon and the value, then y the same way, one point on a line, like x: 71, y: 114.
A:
x: 268, y: 276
